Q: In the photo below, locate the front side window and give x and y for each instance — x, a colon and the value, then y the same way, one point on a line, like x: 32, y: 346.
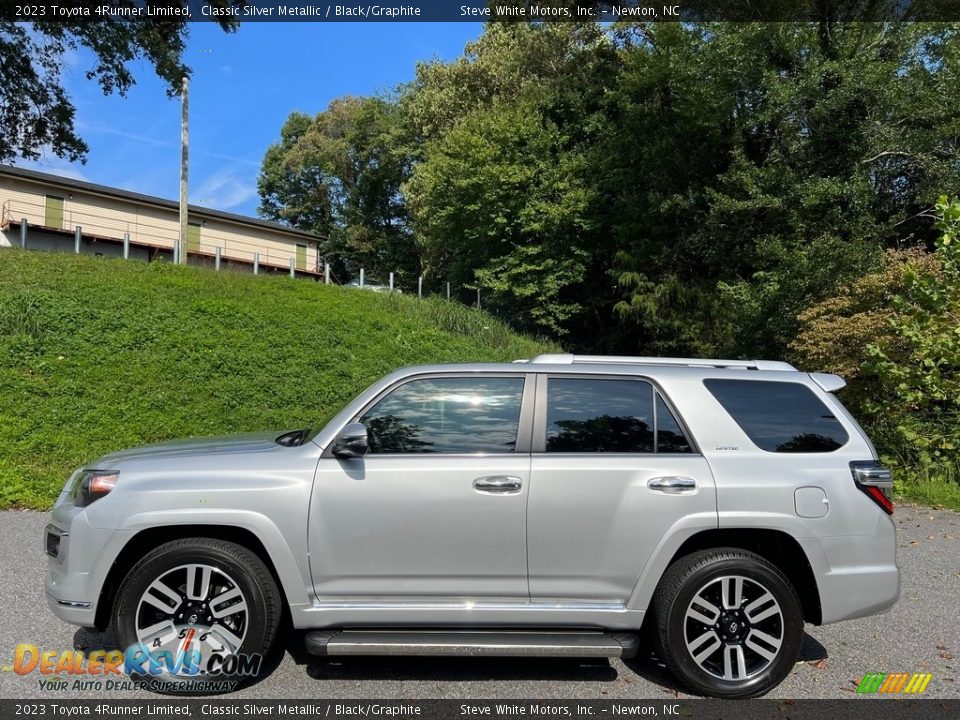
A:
x: 783, y: 417
x: 447, y: 415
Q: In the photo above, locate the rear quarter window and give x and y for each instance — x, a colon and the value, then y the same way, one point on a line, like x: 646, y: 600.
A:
x: 781, y: 417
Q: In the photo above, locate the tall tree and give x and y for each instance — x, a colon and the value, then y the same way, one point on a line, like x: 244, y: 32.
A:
x: 339, y: 174
x: 36, y: 113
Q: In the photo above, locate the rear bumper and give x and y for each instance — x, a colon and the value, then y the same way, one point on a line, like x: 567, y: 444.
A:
x: 861, y: 576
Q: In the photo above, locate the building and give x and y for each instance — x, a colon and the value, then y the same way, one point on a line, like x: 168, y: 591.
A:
x: 76, y: 216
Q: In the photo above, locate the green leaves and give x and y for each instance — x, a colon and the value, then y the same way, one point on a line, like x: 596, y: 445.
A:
x: 920, y: 371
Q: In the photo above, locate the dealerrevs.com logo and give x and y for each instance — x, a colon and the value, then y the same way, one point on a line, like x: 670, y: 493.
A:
x: 892, y: 683
x: 136, y: 668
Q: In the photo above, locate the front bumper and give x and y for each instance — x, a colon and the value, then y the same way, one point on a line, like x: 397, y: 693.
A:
x: 77, y: 573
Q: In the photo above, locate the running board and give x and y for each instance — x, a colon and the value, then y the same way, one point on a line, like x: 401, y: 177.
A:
x: 472, y: 643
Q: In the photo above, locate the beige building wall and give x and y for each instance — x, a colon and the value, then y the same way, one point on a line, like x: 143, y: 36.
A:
x: 109, y: 218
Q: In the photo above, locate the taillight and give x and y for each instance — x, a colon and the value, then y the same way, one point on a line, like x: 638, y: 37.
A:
x: 875, y: 481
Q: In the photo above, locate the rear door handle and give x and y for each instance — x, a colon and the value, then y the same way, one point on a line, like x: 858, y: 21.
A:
x: 673, y: 484
x: 498, y: 484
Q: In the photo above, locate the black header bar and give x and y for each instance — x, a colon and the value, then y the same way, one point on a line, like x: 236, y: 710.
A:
x: 481, y: 10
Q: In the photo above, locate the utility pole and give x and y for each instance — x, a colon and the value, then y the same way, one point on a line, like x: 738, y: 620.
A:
x: 184, y: 163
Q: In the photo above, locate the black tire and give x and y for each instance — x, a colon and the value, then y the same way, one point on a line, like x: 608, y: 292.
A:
x: 749, y: 673
x: 235, y: 566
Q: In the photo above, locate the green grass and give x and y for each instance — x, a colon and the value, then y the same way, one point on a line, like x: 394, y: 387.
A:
x: 937, y: 486
x: 100, y: 354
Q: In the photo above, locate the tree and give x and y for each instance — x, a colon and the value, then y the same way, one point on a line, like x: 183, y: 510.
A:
x: 500, y: 195
x: 35, y: 110
x: 768, y: 165
x: 920, y: 371
x: 339, y: 174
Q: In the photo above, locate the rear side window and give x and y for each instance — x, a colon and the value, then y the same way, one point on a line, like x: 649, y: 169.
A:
x: 595, y: 415
x: 783, y: 417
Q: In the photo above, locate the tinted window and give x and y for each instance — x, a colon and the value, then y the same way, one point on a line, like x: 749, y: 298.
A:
x: 447, y: 415
x: 780, y: 416
x: 670, y: 438
x: 594, y: 415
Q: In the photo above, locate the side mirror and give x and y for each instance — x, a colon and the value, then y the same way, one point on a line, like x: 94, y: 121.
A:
x: 351, y: 442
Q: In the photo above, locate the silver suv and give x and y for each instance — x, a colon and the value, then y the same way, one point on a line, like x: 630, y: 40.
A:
x: 555, y: 506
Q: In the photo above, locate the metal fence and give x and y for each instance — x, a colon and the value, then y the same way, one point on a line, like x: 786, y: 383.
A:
x: 217, y: 259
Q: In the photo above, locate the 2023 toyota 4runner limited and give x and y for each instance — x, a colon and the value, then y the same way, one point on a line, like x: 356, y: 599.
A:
x: 544, y: 507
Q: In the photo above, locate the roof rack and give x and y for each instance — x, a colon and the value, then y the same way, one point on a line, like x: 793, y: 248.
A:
x: 567, y: 359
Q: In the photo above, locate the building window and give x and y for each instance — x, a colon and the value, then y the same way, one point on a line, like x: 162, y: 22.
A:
x: 53, y: 212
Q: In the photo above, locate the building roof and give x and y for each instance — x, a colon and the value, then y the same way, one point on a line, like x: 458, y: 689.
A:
x: 194, y: 210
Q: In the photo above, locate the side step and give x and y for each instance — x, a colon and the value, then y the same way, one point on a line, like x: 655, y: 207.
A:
x: 472, y: 643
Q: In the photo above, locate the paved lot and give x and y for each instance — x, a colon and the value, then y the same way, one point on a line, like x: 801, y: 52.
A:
x: 921, y: 634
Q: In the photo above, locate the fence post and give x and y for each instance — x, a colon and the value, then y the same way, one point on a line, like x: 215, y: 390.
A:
x: 420, y: 287
x: 76, y: 239
x: 176, y: 252
x: 361, y: 277
x: 391, y: 282
x: 23, y: 232
x: 256, y: 263
x: 216, y: 260
x: 126, y: 246
x: 478, y: 298
x: 293, y: 265
x: 448, y: 289
x: 326, y: 273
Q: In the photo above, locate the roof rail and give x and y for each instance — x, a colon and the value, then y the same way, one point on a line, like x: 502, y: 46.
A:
x: 567, y: 359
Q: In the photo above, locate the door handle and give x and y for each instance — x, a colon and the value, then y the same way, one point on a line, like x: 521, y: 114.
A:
x: 673, y: 484
x: 498, y: 484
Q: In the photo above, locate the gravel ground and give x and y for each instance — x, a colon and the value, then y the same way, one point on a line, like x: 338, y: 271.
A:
x: 921, y: 634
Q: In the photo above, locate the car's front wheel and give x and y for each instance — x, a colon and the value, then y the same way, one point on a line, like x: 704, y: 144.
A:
x: 727, y: 623
x: 197, y: 616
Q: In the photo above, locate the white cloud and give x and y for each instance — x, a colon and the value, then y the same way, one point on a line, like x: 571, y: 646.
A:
x: 223, y: 190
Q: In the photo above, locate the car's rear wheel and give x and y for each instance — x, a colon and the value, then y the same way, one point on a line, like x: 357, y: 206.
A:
x: 727, y: 623
x: 197, y: 616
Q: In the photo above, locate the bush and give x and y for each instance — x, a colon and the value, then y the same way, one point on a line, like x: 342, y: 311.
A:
x: 919, y: 371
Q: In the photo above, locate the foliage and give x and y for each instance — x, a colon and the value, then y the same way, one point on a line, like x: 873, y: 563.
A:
x: 836, y: 333
x: 338, y: 174
x: 668, y: 188
x: 919, y: 372
x: 99, y: 354
x: 35, y: 111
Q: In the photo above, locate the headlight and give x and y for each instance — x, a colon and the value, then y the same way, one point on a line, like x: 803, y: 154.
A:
x: 93, y: 485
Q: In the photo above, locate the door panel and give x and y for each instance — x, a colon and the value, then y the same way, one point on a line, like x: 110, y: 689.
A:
x: 437, y: 507
x: 593, y: 521
x: 53, y: 212
x: 416, y: 527
x: 193, y: 237
x: 612, y: 471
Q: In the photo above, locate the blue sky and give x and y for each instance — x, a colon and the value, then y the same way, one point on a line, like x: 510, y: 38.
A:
x: 244, y: 86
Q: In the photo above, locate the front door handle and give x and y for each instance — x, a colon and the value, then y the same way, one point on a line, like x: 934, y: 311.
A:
x: 498, y: 484
x: 673, y: 484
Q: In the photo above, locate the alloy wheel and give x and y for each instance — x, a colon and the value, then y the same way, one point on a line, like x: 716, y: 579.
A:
x: 733, y: 628
x: 193, y: 608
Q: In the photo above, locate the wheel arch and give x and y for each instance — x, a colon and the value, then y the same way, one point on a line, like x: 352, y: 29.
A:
x: 777, y: 547
x: 149, y: 538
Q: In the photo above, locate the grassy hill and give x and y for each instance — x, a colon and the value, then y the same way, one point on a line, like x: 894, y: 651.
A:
x: 99, y: 354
